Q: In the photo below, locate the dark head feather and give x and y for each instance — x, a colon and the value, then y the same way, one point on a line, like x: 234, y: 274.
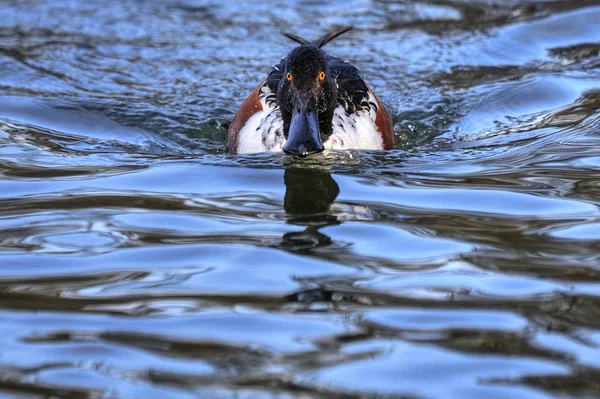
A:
x: 295, y: 38
x: 323, y: 40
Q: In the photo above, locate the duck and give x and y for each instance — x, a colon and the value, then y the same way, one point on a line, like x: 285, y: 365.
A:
x: 310, y: 102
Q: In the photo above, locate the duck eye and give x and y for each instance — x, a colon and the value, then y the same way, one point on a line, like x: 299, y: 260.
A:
x: 322, y: 76
x: 288, y: 76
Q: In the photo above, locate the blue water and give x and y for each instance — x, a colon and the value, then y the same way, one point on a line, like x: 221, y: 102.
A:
x: 139, y: 260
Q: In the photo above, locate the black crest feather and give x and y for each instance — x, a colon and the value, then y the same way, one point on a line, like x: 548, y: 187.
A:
x: 323, y: 40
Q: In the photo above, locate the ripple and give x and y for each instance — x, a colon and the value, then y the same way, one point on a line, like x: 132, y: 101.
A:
x: 464, y: 200
x: 457, y: 375
x: 586, y: 232
x: 138, y: 259
x: 462, y: 319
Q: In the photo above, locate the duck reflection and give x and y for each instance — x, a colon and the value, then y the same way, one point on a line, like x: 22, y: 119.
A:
x: 308, y: 198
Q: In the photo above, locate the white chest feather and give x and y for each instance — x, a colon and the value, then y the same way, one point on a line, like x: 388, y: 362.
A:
x: 357, y: 130
x: 251, y: 135
x: 263, y: 132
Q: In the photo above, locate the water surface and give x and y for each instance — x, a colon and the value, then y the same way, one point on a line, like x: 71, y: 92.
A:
x: 139, y: 260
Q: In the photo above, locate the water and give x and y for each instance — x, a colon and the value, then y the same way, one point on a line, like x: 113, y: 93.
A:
x: 139, y: 260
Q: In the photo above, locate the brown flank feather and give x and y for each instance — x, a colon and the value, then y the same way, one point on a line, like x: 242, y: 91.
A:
x: 249, y: 107
x: 383, y: 120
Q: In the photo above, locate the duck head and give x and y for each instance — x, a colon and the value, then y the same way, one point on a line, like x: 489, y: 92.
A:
x: 307, y: 96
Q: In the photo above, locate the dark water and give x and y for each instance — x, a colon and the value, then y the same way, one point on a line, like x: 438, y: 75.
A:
x: 139, y: 260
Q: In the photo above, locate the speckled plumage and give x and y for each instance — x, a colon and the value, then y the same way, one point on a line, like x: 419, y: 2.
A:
x: 359, y: 120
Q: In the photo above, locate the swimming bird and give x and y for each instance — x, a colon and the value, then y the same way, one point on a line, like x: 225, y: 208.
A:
x: 310, y: 102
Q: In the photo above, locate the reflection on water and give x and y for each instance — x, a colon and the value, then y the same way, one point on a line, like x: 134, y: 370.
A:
x: 309, y: 194
x: 139, y: 260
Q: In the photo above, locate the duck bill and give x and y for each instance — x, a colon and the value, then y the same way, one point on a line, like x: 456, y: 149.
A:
x: 304, y: 138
